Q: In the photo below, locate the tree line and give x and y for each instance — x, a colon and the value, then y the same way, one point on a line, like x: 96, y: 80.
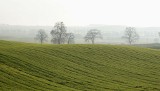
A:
x: 61, y: 36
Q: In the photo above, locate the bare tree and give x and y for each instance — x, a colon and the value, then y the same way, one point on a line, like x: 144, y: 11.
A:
x: 58, y: 33
x: 41, y: 36
x: 92, y: 35
x: 156, y: 40
x: 131, y: 35
x: 70, y: 38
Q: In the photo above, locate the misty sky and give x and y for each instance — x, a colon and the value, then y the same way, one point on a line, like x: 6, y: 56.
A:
x: 143, y: 13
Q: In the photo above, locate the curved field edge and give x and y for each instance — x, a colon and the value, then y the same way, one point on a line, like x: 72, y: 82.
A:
x: 34, y: 67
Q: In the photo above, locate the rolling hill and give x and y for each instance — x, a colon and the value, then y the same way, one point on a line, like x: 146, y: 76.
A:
x: 34, y: 67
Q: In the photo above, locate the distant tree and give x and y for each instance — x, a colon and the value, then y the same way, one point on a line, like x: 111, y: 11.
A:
x: 159, y: 36
x: 41, y: 36
x: 58, y: 33
x: 92, y: 35
x: 131, y: 35
x: 70, y: 38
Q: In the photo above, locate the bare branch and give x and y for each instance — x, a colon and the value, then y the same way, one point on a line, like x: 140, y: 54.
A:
x: 58, y: 33
x: 41, y: 36
x: 92, y: 35
x: 131, y: 35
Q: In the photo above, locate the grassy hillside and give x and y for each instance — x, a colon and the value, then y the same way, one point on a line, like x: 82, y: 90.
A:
x: 34, y: 67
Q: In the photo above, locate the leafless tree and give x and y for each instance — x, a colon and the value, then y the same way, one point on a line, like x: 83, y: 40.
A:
x: 92, y: 35
x: 131, y: 35
x: 58, y: 33
x: 41, y: 36
x: 70, y: 38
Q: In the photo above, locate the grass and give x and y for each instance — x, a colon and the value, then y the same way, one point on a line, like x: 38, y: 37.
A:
x: 34, y: 67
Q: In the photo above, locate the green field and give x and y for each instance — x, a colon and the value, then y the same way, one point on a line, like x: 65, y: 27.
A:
x: 34, y: 67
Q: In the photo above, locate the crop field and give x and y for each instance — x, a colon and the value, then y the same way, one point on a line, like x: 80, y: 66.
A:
x: 35, y: 67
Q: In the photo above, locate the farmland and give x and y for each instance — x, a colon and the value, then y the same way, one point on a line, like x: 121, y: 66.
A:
x: 79, y: 67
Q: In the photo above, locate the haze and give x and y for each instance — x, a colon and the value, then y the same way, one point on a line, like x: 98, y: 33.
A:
x: 137, y: 13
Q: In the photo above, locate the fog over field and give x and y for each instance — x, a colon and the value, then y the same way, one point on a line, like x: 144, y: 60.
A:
x: 21, y: 19
x: 111, y: 34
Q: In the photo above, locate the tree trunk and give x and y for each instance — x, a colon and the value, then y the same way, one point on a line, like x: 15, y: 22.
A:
x: 68, y: 42
x: 41, y: 42
x: 92, y: 41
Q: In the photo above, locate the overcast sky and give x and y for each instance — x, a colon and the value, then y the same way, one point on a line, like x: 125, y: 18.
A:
x: 143, y: 13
